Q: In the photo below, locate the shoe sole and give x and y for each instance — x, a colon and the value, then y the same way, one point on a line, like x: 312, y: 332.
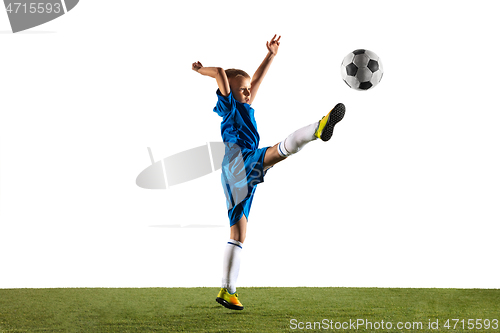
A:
x: 228, y: 305
x: 334, y: 117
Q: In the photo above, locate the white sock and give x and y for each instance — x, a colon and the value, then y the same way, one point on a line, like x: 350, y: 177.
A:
x: 231, y: 265
x: 297, y: 140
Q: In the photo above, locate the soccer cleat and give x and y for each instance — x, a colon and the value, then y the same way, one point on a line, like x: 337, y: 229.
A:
x: 228, y: 300
x: 327, y: 123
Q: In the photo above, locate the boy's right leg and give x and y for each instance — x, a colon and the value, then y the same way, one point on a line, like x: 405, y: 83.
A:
x: 322, y: 129
x: 272, y: 157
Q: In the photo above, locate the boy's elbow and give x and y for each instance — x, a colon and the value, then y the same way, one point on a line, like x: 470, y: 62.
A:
x: 219, y: 70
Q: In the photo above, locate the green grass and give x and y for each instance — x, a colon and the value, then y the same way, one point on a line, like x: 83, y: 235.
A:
x: 266, y: 309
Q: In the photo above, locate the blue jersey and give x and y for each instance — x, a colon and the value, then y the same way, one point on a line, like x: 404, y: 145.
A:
x: 243, y: 163
x: 238, y: 122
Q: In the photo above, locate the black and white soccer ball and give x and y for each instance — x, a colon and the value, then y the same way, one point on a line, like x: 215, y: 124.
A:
x: 361, y: 69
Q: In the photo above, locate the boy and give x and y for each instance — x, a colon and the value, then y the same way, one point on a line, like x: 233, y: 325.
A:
x: 244, y: 164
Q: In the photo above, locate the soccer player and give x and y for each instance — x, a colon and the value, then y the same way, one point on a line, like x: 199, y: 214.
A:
x: 245, y: 164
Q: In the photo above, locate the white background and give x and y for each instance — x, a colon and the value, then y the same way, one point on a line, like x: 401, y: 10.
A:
x: 404, y: 195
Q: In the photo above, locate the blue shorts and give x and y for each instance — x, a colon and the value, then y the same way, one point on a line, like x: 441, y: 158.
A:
x: 242, y: 170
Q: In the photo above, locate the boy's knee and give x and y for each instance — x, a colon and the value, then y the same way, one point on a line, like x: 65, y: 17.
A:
x: 239, y: 238
x: 239, y: 230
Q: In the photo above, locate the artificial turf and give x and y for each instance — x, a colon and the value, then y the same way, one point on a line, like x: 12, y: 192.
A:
x: 266, y: 310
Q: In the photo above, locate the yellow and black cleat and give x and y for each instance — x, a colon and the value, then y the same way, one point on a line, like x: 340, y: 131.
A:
x: 327, y: 123
x: 228, y: 300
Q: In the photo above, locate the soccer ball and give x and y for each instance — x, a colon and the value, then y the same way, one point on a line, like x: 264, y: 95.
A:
x: 361, y: 69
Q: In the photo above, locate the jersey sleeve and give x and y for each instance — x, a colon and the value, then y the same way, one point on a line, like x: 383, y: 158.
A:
x: 224, y: 104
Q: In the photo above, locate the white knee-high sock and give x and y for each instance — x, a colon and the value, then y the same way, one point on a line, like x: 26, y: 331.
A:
x: 297, y: 140
x: 231, y: 265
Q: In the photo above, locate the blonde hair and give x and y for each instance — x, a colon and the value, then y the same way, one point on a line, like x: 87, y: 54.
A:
x: 232, y: 73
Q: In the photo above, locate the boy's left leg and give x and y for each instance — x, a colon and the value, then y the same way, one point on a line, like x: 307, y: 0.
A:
x: 231, y: 266
x: 322, y: 129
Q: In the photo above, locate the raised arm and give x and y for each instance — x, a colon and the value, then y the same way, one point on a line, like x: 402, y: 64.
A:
x: 217, y: 73
x: 260, y: 73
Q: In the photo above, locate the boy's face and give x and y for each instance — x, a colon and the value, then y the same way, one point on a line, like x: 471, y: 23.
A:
x: 240, y: 87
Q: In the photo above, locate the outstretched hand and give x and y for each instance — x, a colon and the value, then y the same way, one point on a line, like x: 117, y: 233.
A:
x: 196, y: 66
x: 273, y: 45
